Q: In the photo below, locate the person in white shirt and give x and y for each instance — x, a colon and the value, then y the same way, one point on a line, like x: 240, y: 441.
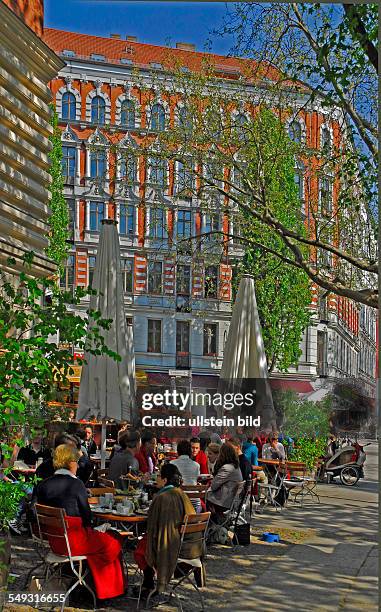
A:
x: 274, y: 449
x: 189, y: 469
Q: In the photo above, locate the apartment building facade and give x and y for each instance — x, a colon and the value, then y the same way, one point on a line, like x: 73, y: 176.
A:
x: 178, y: 304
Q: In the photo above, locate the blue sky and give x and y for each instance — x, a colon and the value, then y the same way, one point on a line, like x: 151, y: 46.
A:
x: 152, y: 22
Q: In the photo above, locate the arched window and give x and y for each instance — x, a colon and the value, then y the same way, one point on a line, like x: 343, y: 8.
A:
x: 157, y: 118
x: 295, y: 131
x: 185, y: 120
x: 68, y: 106
x: 98, y: 110
x: 127, y: 114
x: 325, y: 140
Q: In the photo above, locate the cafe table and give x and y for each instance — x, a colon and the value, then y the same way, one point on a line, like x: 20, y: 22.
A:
x: 121, y: 520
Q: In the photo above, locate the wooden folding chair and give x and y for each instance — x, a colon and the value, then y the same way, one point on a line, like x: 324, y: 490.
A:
x: 52, y: 523
x: 193, y: 536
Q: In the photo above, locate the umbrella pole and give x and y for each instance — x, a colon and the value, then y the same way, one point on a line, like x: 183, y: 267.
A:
x: 103, y: 445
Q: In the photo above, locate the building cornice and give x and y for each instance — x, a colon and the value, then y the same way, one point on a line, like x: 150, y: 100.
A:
x: 26, y: 44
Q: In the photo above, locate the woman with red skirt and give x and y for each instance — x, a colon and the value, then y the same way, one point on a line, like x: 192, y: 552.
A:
x: 103, y: 550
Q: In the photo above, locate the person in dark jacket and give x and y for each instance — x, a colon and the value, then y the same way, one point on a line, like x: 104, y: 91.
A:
x: 102, y: 550
x: 85, y: 468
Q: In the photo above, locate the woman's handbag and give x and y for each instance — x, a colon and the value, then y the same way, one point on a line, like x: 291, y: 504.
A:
x: 242, y: 534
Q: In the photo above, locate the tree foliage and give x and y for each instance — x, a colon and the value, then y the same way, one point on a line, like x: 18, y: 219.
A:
x: 59, y: 218
x: 332, y: 48
x: 283, y: 293
x: 37, y: 332
x: 303, y: 418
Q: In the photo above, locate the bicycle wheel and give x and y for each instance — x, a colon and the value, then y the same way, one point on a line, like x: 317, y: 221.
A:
x: 349, y: 476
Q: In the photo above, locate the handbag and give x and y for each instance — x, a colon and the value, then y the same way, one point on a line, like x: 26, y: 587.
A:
x: 242, y: 534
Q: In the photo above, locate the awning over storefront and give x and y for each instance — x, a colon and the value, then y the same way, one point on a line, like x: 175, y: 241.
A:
x: 299, y: 386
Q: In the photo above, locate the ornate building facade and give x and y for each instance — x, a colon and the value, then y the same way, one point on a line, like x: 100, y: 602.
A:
x: 180, y: 311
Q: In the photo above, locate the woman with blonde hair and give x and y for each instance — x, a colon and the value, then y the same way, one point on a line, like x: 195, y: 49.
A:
x: 103, y: 550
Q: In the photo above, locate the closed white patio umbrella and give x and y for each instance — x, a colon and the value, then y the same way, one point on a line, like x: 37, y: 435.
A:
x: 107, y: 386
x: 244, y: 352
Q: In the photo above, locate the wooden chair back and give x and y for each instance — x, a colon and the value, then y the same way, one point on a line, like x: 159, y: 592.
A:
x: 195, y: 491
x: 51, y: 522
x: 195, y: 523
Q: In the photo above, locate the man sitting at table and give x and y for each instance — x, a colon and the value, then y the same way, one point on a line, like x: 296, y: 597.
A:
x: 46, y: 469
x: 250, y: 451
x: 89, y: 442
x: 103, y: 550
x: 34, y: 451
x: 146, y: 456
x: 157, y: 551
x: 189, y: 469
x: 124, y: 460
x: 199, y: 455
x: 274, y: 449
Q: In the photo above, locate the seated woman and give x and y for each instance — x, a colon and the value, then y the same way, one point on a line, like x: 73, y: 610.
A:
x: 157, y: 551
x: 227, y: 476
x: 103, y: 551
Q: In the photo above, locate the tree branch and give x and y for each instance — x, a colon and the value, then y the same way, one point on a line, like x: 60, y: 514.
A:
x: 360, y: 34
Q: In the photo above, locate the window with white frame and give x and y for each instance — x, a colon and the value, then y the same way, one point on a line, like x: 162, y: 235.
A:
x: 211, y: 282
x: 68, y: 161
x: 158, y: 223
x: 154, y: 336
x: 211, y: 224
x: 128, y: 168
x: 127, y: 268
x: 157, y: 171
x: 184, y: 224
x: 98, y: 163
x: 240, y: 126
x: 183, y: 279
x: 210, y: 339
x: 325, y: 195
x: 97, y: 214
x: 185, y: 120
x: 67, y: 279
x: 98, y: 110
x: 155, y: 277
x: 157, y: 118
x: 325, y: 140
x: 214, y: 172
x: 71, y: 211
x: 184, y: 177
x: 295, y: 131
x: 68, y: 106
x: 126, y: 220
x: 92, y: 261
x: 299, y: 180
x: 127, y: 114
